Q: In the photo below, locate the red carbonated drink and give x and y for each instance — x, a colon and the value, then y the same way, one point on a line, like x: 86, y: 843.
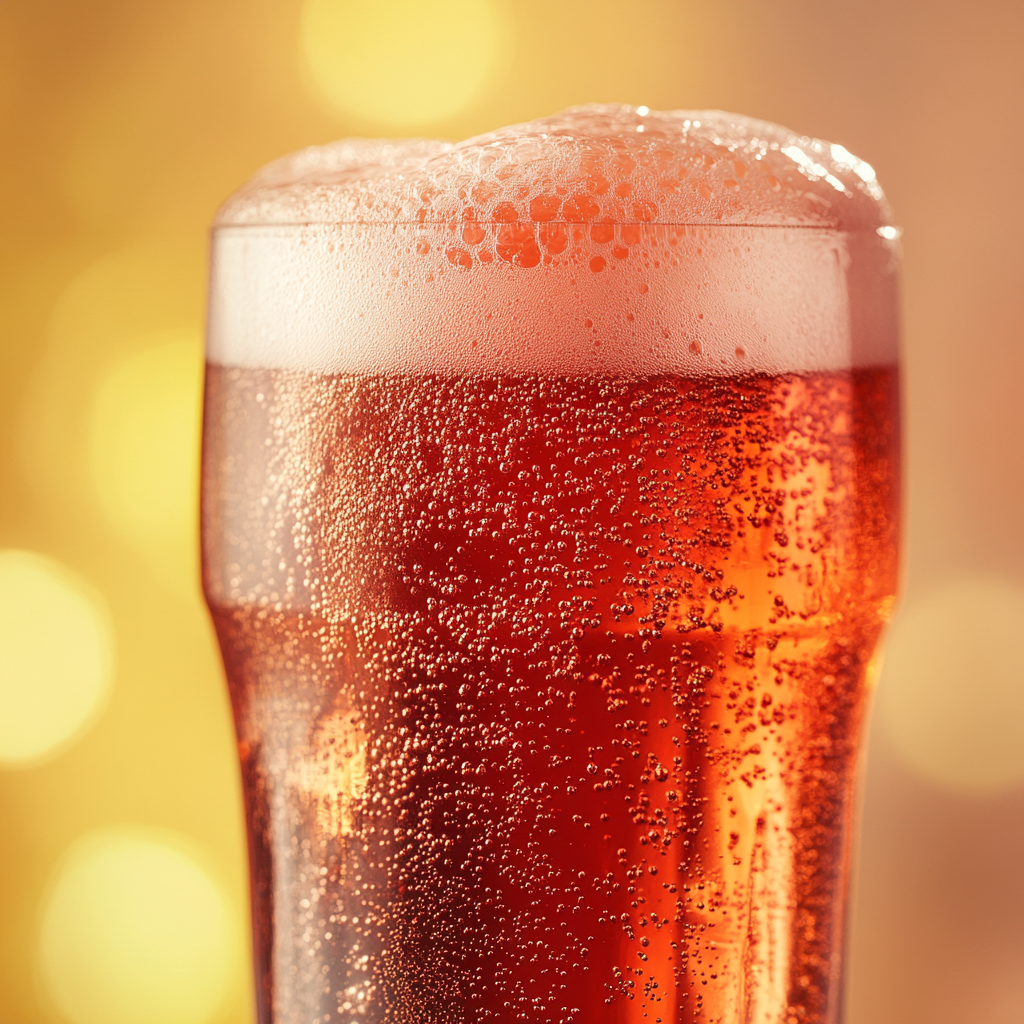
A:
x: 550, y: 508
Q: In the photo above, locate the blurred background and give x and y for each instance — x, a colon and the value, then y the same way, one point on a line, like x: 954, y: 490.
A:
x: 126, y: 124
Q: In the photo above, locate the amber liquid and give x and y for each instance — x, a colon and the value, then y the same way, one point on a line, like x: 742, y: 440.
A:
x: 549, y: 692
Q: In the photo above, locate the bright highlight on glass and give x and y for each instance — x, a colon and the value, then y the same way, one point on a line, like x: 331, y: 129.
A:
x: 401, y: 62
x: 144, y: 440
x: 952, y: 693
x: 56, y: 657
x: 135, y: 930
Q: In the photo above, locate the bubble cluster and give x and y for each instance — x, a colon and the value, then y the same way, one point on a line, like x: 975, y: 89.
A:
x: 548, y: 689
x: 594, y: 165
x: 601, y: 240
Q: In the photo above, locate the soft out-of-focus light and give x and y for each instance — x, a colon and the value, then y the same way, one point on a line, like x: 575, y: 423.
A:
x: 952, y: 692
x: 144, y: 439
x: 56, y: 657
x: 102, y: 312
x: 402, y: 62
x: 888, y: 232
x: 135, y: 930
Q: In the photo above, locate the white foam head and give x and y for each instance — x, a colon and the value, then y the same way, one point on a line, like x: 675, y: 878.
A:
x: 602, y: 240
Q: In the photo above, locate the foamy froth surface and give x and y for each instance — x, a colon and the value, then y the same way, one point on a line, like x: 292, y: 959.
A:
x: 606, y: 239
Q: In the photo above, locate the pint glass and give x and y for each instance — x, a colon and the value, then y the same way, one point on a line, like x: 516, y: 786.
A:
x: 550, y: 500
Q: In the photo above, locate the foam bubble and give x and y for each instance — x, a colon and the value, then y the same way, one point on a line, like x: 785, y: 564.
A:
x: 601, y: 240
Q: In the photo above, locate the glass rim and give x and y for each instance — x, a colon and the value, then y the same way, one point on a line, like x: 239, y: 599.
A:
x: 535, y: 223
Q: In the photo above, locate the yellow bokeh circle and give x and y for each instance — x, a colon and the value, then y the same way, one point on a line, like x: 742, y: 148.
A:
x: 56, y: 657
x: 133, y: 930
x: 402, y: 62
x: 143, y: 437
x: 952, y: 692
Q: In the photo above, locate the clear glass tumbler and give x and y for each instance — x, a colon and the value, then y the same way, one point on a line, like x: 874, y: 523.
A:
x: 550, y: 524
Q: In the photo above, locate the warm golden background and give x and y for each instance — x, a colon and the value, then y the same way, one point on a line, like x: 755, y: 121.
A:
x: 124, y: 125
